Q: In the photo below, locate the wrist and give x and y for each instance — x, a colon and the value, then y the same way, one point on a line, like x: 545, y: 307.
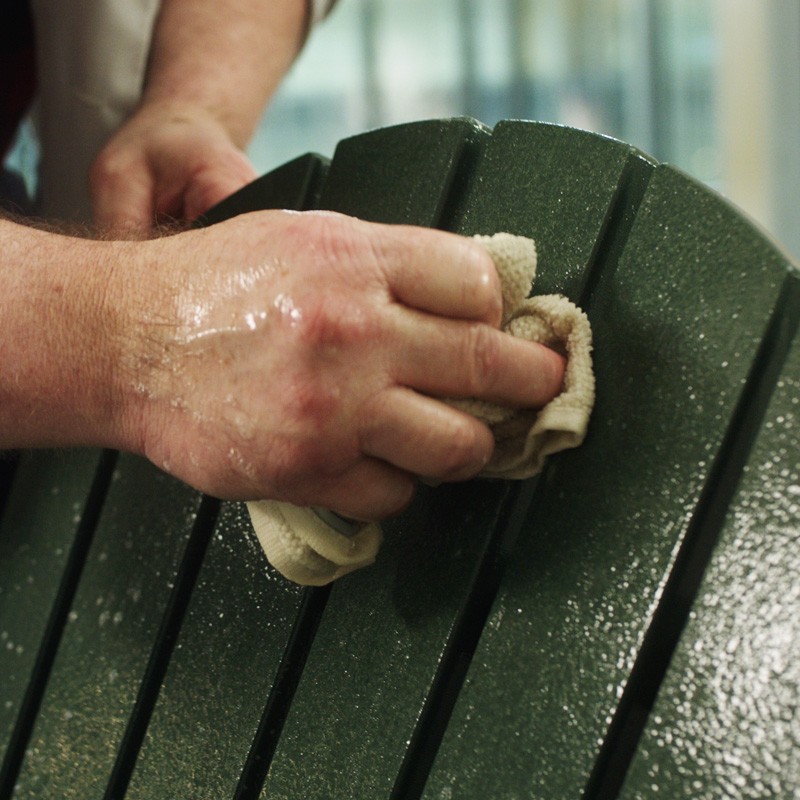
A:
x: 62, y: 342
x: 138, y: 308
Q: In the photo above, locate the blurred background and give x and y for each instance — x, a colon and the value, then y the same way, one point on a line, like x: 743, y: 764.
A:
x: 711, y: 86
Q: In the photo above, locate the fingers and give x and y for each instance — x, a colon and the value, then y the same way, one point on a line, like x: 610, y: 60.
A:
x: 454, y: 279
x: 369, y: 490
x: 424, y: 436
x: 229, y: 173
x: 122, y: 200
x: 441, y: 273
x: 448, y: 358
x: 164, y: 167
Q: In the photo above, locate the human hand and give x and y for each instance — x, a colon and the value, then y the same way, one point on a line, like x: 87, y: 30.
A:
x: 164, y: 162
x: 300, y: 357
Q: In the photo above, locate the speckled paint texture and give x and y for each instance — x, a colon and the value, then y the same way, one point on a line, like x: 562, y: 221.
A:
x: 726, y: 725
x: 492, y: 648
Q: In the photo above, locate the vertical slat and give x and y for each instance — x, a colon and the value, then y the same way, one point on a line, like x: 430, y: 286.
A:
x: 37, y: 532
x: 677, y: 323
x: 397, y: 175
x: 292, y: 186
x: 241, y: 614
x: 111, y: 631
x: 403, y: 174
x: 725, y: 724
x: 163, y: 647
x: 386, y: 628
x: 699, y: 541
x: 236, y: 629
x: 8, y: 466
x: 556, y: 186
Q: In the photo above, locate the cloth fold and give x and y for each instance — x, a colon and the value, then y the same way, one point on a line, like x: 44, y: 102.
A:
x: 303, y: 545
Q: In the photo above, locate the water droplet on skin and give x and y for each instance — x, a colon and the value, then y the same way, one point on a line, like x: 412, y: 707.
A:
x: 288, y: 310
x: 235, y: 457
x: 252, y: 319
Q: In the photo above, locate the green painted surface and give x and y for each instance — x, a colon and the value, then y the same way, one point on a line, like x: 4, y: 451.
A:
x: 679, y: 303
x: 402, y: 174
x: 37, y: 531
x: 219, y: 678
x: 726, y: 725
x: 377, y: 648
x: 554, y: 185
x: 676, y: 328
x: 374, y: 617
x: 129, y: 573
x: 385, y: 628
x: 293, y: 185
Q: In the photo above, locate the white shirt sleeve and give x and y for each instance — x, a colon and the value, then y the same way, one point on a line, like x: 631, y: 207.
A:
x: 92, y: 56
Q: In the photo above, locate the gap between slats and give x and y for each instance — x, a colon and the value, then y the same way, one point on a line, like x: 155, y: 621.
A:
x: 309, y: 616
x: 282, y: 693
x: 166, y: 639
x: 691, y: 561
x: 54, y: 630
x: 451, y: 673
x: 8, y: 468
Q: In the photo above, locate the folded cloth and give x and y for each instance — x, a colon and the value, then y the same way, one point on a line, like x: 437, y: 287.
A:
x: 314, y: 547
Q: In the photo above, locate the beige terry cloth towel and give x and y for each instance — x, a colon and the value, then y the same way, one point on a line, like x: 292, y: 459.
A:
x: 314, y: 547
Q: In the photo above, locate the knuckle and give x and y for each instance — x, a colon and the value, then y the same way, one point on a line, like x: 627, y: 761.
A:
x: 482, y: 358
x: 334, y: 321
x: 399, y: 497
x: 323, y: 324
x: 484, y: 291
x: 462, y: 453
x: 106, y: 168
x: 293, y: 468
x: 335, y: 239
x: 311, y: 403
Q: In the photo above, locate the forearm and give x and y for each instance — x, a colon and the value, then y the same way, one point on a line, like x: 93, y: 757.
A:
x: 59, y: 336
x: 224, y: 56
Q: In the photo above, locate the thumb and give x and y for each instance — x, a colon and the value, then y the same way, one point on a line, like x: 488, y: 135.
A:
x: 213, y: 184
x: 122, y: 200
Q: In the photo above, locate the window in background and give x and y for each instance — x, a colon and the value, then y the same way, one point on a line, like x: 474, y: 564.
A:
x: 23, y: 156
x: 711, y: 86
x: 672, y: 77
x: 639, y: 70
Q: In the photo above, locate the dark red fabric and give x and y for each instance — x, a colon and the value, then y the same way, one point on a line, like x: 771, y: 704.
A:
x: 17, y: 68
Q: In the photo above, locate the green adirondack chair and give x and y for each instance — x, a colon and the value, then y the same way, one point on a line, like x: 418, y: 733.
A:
x: 624, y: 626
